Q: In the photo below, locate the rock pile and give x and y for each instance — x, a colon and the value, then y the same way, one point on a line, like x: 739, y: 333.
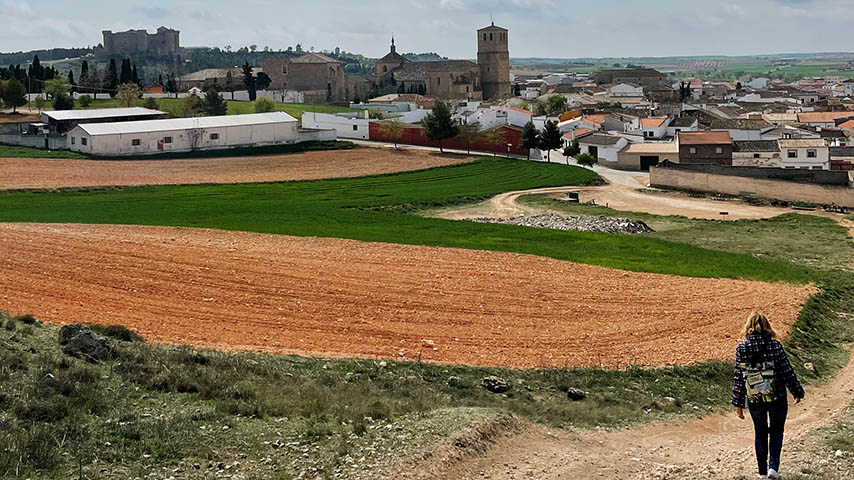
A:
x: 578, y: 223
x: 78, y: 341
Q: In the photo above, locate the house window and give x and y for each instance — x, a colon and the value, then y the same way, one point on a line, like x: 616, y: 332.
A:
x: 719, y: 150
x: 792, y: 154
x: 484, y: 37
x: 72, y: 140
x: 284, y: 69
x: 811, y: 154
x: 135, y: 142
x: 84, y: 141
x: 167, y: 139
x: 648, y: 134
x: 490, y: 37
x: 214, y: 136
x: 355, y: 128
x: 438, y: 80
x: 755, y: 155
x: 692, y: 150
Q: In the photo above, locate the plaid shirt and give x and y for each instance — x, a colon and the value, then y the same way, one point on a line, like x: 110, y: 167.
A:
x: 766, y: 350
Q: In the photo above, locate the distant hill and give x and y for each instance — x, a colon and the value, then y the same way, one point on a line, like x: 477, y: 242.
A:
x: 19, y: 58
x: 424, y: 57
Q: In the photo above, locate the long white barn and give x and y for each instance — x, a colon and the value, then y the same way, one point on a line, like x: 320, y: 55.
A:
x: 186, y: 134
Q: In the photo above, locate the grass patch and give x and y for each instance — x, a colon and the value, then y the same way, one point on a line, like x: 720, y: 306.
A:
x: 802, y: 239
x: 353, y: 208
x: 7, y: 151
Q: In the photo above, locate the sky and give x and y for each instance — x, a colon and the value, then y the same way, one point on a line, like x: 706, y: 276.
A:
x: 538, y: 28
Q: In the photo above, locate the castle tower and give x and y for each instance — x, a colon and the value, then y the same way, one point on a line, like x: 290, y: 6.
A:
x: 493, y: 57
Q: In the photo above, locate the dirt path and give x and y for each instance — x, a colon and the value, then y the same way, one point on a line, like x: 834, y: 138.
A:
x: 332, y: 297
x: 717, y: 446
x: 618, y: 197
x: 29, y: 173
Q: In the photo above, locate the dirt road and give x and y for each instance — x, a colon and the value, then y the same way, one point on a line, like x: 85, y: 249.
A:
x: 332, y: 297
x: 27, y: 173
x: 718, y: 446
x: 618, y: 197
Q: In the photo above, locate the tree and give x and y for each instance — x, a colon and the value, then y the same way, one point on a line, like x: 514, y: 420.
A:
x: 126, y: 74
x: 438, y: 124
x: 249, y: 81
x: 550, y: 139
x: 128, y: 94
x: 264, y: 105
x: 556, y: 105
x: 229, y: 83
x: 496, y: 138
x: 392, y: 128
x: 540, y: 110
x: 63, y: 101
x: 469, y: 133
x: 587, y: 160
x: 111, y: 79
x: 189, y: 106
x: 134, y: 75
x: 71, y: 81
x: 171, y: 87
x: 92, y: 83
x: 14, y: 94
x: 214, y: 105
x: 56, y: 87
x: 530, y: 138
x: 571, y: 150
x: 39, y: 101
x: 150, y: 103
x: 85, y: 101
x: 84, y: 72
x: 262, y: 81
x: 738, y: 86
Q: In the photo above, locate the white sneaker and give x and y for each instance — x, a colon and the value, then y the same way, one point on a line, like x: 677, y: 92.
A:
x: 772, y: 474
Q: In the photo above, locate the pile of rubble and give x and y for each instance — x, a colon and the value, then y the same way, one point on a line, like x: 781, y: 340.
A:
x: 578, y: 223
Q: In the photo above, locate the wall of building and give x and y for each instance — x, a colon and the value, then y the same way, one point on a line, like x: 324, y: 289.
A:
x: 706, y: 154
x: 183, y: 139
x: 632, y: 161
x: 356, y: 128
x: 765, y: 159
x: 821, y: 160
x: 34, y: 141
x: 696, y: 181
x: 412, y: 136
x: 463, y: 84
x: 493, y: 59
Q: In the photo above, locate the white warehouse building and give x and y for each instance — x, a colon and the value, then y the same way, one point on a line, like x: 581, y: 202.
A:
x: 187, y: 134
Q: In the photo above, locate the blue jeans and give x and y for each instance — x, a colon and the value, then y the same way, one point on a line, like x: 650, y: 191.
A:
x: 769, y: 420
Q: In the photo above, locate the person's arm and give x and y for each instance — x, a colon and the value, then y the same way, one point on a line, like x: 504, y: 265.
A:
x: 788, y: 373
x: 738, y: 389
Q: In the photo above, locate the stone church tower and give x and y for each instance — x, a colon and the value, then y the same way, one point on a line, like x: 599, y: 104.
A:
x: 493, y: 57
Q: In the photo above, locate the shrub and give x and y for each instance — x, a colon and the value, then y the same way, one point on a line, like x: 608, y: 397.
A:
x: 118, y: 332
x: 85, y: 101
x: 587, y: 160
x: 264, y: 105
x: 149, y: 103
x: 26, y: 319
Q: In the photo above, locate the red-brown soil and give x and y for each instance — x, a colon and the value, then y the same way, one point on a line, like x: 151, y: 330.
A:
x: 343, y: 298
x: 27, y: 173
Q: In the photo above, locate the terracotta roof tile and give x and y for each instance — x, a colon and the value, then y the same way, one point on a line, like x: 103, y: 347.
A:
x: 704, y: 138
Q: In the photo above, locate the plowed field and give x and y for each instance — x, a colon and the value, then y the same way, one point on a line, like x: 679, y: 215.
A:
x: 21, y: 173
x: 245, y: 291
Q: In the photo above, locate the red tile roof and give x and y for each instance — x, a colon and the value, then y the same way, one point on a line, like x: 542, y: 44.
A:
x: 576, y: 133
x: 822, y: 117
x: 652, y: 122
x: 848, y: 124
x: 704, y: 138
x: 520, y: 110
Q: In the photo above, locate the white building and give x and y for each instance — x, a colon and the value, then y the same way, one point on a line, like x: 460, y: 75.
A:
x: 654, y: 127
x: 804, y: 153
x: 626, y: 90
x: 187, y: 134
x: 760, y: 83
x: 344, y: 126
x: 602, y: 146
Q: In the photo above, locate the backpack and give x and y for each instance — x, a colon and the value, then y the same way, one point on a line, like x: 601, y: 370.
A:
x: 759, y: 380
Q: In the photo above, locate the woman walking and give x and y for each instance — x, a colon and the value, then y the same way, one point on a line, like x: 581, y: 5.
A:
x: 762, y: 374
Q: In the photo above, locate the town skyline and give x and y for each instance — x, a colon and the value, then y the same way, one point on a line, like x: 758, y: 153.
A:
x: 664, y: 30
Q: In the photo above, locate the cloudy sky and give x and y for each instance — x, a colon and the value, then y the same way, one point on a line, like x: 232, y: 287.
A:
x: 543, y: 28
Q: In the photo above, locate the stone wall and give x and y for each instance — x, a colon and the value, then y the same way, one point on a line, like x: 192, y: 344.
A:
x: 698, y: 181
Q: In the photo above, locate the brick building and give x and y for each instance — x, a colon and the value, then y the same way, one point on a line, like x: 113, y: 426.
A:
x: 391, y: 61
x: 164, y: 42
x: 705, y: 148
x: 493, y: 57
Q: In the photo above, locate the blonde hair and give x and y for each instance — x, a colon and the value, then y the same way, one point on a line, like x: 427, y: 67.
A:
x: 758, y: 323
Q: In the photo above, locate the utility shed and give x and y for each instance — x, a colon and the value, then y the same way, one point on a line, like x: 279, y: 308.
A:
x: 184, y: 134
x: 62, y: 121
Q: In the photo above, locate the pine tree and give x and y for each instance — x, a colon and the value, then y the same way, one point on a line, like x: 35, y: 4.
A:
x: 249, y: 81
x: 84, y: 72
x: 214, y: 105
x: 530, y: 138
x: 550, y: 139
x: 71, y: 81
x: 134, y: 75
x: 111, y: 79
x: 438, y: 124
x: 125, y: 73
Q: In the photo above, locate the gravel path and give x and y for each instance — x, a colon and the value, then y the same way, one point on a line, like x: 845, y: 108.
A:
x: 578, y: 223
x: 245, y: 291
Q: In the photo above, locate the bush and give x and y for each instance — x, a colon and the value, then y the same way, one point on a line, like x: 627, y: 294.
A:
x: 264, y: 105
x: 587, y: 160
x: 85, y: 101
x: 149, y: 103
x: 118, y: 332
x: 27, y: 319
x: 63, y: 102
